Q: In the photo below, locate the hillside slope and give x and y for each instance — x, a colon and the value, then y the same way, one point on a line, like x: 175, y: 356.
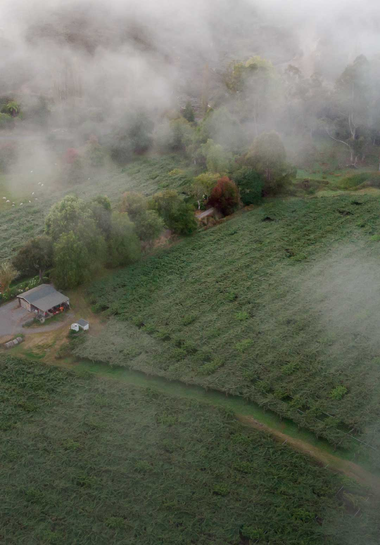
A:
x: 279, y: 305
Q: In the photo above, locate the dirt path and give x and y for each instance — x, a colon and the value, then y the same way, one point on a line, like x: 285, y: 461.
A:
x: 325, y: 459
x: 320, y: 455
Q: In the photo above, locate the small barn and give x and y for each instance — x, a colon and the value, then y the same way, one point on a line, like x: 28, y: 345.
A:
x: 208, y: 217
x: 80, y: 324
x: 44, y: 300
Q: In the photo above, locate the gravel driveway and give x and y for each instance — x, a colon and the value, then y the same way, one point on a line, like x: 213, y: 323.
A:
x: 12, y: 317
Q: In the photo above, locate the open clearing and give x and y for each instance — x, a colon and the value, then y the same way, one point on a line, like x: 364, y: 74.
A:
x: 278, y: 305
x: 93, y: 461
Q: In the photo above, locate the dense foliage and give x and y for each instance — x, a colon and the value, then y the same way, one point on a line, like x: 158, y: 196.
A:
x: 177, y: 215
x: 148, y: 224
x: 250, y: 183
x: 224, y: 196
x: 146, y: 175
x: 35, y: 258
x: 89, y: 460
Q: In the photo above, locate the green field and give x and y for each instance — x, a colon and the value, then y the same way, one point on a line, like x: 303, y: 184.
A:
x: 282, y: 312
x: 86, y: 460
x: 22, y: 222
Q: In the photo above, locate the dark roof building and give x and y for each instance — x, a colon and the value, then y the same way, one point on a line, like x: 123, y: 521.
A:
x: 82, y: 323
x: 44, y: 298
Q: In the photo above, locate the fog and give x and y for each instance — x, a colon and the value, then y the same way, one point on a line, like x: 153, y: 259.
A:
x: 94, y: 61
x: 151, y: 52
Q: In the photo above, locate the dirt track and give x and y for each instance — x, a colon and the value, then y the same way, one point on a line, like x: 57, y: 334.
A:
x: 334, y: 463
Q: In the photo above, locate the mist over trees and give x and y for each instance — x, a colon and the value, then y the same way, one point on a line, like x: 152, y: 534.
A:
x: 120, y: 73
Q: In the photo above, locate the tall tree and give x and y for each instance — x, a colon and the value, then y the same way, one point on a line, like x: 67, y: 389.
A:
x: 148, y: 224
x: 225, y: 196
x: 177, y: 215
x: 73, y: 263
x: 124, y: 245
x: 349, y: 124
x: 7, y: 274
x: 268, y: 157
x: 72, y: 225
x: 253, y: 86
x: 35, y: 257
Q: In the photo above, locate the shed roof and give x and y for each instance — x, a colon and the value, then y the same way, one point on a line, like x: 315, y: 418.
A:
x: 206, y: 213
x: 44, y: 297
x: 82, y: 322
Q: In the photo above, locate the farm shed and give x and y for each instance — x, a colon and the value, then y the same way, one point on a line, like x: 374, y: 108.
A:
x: 80, y: 324
x: 44, y: 300
x: 208, y: 217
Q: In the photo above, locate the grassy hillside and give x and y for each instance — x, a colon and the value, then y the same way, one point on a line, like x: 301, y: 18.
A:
x: 94, y: 461
x: 279, y: 305
x: 21, y: 222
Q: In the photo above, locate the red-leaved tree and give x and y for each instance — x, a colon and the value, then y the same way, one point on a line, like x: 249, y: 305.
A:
x: 225, y: 196
x: 71, y: 156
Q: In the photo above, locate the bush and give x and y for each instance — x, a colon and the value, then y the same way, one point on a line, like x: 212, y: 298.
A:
x: 188, y: 113
x: 72, y: 168
x: 175, y: 135
x: 251, y: 185
x: 217, y: 159
x: 225, y: 196
x: 148, y: 224
x: 35, y: 257
x: 123, y: 244
x: 203, y: 185
x: 131, y: 135
x: 177, y: 215
x: 73, y: 263
x: 94, y: 153
x: 338, y: 393
x: 71, y: 156
x: 361, y: 179
x: 268, y: 157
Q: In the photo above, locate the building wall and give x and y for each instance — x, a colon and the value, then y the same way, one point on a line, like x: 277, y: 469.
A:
x: 25, y: 304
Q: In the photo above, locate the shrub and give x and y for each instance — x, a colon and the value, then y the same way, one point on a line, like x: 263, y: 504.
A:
x: 251, y: 184
x: 123, y: 244
x: 203, y: 185
x: 35, y: 257
x: 355, y: 181
x: 338, y: 393
x: 268, y: 157
x: 148, y: 224
x: 7, y: 274
x: 177, y: 215
x: 11, y: 108
x: 94, y: 153
x: 225, y: 196
x: 72, y: 168
x: 74, y: 262
x: 71, y: 156
x: 244, y: 345
x: 217, y: 159
x: 211, y: 367
x: 188, y: 112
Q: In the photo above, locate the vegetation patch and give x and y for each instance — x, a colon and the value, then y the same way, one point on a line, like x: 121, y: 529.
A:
x: 99, y: 461
x: 311, y: 325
